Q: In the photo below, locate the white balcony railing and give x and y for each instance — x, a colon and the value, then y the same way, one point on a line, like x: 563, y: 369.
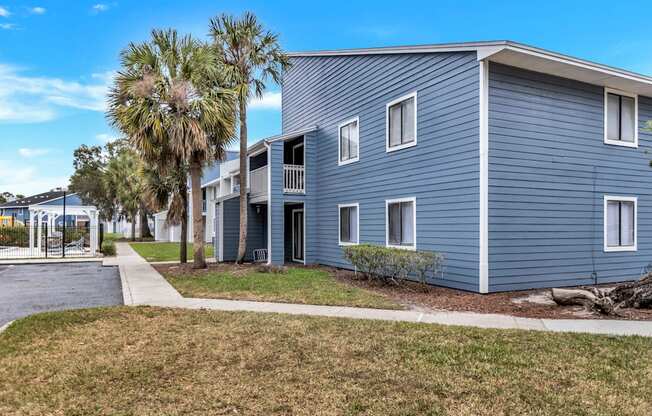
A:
x: 258, y: 181
x: 294, y: 179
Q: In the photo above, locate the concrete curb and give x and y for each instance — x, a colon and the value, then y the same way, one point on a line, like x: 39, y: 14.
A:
x: 5, y: 326
x: 51, y: 261
x: 143, y: 285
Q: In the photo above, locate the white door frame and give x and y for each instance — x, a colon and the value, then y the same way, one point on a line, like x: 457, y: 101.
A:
x: 303, y: 235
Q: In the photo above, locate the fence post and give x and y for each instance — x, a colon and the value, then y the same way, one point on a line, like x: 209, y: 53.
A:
x: 46, y: 238
x: 101, y: 237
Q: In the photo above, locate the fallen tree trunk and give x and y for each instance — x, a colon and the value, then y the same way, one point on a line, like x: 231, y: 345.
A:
x: 636, y: 295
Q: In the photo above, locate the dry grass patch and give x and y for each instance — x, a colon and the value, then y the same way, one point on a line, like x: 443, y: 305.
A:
x: 147, y: 361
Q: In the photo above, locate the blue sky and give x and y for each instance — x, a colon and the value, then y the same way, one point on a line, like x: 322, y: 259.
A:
x: 57, y: 57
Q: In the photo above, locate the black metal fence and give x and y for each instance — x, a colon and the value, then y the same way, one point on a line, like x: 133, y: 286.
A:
x: 28, y: 241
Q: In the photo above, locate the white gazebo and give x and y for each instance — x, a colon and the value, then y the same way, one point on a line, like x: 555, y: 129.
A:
x: 39, y: 213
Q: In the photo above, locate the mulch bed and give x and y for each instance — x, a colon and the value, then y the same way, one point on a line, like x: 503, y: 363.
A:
x: 434, y: 298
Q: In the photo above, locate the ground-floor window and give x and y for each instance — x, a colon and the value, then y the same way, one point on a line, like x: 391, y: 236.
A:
x: 401, y: 223
x: 620, y: 223
x: 349, y: 230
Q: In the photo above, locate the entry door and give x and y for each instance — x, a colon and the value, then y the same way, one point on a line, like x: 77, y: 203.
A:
x: 297, y: 235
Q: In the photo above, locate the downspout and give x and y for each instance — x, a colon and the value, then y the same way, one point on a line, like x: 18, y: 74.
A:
x: 594, y: 273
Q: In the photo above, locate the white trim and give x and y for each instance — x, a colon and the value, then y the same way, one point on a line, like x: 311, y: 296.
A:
x: 414, y: 219
x: 341, y: 162
x: 606, y: 114
x: 256, y: 152
x: 269, y: 203
x: 339, y: 224
x: 483, y: 266
x: 633, y: 199
x: 303, y: 234
x: 387, y: 106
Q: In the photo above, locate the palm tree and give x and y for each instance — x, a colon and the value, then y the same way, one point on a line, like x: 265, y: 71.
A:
x: 251, y: 56
x: 170, y: 101
x: 123, y: 175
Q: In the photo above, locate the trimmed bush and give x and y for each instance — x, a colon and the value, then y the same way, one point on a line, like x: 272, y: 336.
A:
x: 394, y: 265
x: 108, y: 248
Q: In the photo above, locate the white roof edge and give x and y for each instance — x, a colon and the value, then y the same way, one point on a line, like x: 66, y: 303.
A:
x: 291, y: 135
x: 485, y: 50
x: 441, y: 47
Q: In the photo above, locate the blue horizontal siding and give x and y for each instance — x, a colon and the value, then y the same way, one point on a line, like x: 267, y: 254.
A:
x: 442, y: 171
x: 548, y: 172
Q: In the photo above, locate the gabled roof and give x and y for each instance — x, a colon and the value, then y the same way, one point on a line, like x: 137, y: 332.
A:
x: 35, y: 199
x: 522, y: 56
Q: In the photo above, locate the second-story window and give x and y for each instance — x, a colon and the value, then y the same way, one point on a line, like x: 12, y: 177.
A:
x: 620, y: 119
x: 402, y: 122
x: 349, y: 141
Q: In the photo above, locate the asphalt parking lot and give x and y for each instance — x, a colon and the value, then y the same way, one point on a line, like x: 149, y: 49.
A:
x: 34, y: 288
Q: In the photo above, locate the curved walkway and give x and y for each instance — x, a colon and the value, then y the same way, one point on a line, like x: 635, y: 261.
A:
x: 143, y: 285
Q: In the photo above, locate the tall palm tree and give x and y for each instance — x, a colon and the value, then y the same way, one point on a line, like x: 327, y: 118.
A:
x: 251, y: 55
x: 170, y: 101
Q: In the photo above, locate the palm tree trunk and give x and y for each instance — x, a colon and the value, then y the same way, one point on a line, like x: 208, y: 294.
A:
x: 199, y: 262
x: 145, y: 232
x: 133, y: 226
x: 242, y: 244
x: 183, y: 243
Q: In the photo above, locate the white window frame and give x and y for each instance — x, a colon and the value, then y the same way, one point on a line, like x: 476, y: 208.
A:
x: 414, y: 220
x: 633, y: 199
x: 388, y: 105
x: 339, y: 224
x: 606, y: 116
x: 341, y: 162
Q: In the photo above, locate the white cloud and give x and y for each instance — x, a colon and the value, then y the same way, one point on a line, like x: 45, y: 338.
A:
x: 7, y: 26
x: 100, y: 7
x: 4, y: 12
x: 22, y: 179
x: 38, y: 10
x: 32, y: 151
x: 269, y: 101
x: 28, y: 99
x: 105, y: 138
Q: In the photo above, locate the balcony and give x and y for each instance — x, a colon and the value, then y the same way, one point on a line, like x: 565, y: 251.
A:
x: 258, y: 182
x: 294, y: 179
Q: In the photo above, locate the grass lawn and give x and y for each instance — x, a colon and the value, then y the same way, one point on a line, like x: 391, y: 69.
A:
x: 148, y: 361
x: 165, y: 251
x: 298, y: 285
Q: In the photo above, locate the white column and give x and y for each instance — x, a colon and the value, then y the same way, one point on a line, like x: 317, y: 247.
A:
x: 94, y: 234
x: 30, y: 228
x: 39, y: 216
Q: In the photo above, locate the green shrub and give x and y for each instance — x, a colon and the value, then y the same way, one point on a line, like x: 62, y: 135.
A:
x: 108, y: 248
x: 394, y: 265
x: 14, y: 236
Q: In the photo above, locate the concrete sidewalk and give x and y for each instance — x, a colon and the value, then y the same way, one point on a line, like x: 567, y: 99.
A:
x: 142, y: 285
